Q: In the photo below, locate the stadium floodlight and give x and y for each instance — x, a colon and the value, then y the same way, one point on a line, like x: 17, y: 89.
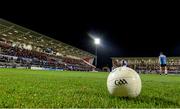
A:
x: 97, y: 41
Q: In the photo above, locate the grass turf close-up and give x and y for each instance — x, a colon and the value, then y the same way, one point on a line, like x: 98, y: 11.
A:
x: 72, y: 89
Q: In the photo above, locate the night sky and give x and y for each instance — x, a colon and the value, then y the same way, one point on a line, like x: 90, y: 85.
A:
x: 143, y: 31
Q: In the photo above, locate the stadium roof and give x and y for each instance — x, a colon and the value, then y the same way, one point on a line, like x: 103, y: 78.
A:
x: 20, y: 34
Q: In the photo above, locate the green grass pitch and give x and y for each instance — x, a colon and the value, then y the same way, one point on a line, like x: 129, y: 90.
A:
x: 63, y: 89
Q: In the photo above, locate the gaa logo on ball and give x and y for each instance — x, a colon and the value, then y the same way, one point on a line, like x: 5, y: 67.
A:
x: 124, y: 82
x: 120, y: 82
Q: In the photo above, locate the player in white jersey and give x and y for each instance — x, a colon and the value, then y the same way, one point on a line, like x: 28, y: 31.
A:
x: 162, y: 61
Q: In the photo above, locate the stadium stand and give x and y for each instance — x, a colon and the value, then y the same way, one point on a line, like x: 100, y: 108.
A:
x: 24, y: 48
x: 148, y: 64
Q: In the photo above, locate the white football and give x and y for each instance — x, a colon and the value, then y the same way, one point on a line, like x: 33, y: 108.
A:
x: 124, y: 82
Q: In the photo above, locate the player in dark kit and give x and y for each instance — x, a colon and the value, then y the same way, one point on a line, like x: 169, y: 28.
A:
x: 124, y: 63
